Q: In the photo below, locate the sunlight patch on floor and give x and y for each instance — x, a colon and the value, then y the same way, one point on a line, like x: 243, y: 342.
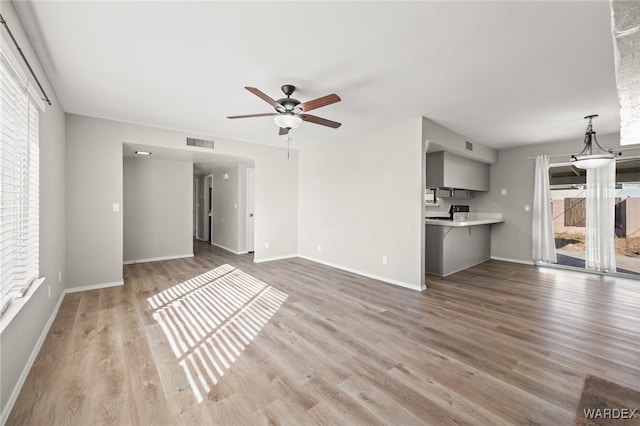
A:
x: 210, y: 320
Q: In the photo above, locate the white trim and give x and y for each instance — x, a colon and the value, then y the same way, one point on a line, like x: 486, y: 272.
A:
x: 364, y: 274
x: 32, y: 358
x: 505, y: 259
x: 226, y: 248
x: 18, y: 303
x: 270, y: 259
x: 155, y: 259
x: 94, y: 287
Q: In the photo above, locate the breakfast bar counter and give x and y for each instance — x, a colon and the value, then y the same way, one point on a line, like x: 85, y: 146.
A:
x: 455, y: 245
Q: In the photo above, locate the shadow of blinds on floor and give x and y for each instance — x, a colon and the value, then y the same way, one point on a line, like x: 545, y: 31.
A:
x: 209, y: 320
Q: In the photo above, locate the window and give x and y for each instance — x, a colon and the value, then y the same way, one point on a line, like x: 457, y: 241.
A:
x: 19, y: 181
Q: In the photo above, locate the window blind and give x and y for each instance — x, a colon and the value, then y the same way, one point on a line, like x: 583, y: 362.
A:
x: 19, y: 186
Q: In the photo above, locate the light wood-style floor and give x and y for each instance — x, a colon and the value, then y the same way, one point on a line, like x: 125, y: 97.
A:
x: 295, y: 342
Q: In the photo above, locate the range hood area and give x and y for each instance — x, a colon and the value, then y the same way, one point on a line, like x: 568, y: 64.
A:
x: 448, y: 172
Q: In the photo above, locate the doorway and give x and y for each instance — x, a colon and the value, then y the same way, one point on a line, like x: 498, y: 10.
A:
x: 208, y: 203
x: 196, y: 207
x: 568, y: 201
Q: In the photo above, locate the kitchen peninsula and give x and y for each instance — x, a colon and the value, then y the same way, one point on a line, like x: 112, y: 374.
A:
x: 454, y: 245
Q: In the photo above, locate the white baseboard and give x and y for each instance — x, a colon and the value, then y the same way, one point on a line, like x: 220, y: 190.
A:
x: 365, y: 274
x: 269, y: 259
x: 504, y: 259
x: 32, y: 358
x: 93, y: 287
x: 227, y: 248
x: 155, y: 259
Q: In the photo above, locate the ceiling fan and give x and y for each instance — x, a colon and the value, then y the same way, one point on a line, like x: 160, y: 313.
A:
x: 290, y: 112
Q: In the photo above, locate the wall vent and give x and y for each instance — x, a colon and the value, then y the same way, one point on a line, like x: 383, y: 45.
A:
x: 202, y: 143
x: 468, y: 146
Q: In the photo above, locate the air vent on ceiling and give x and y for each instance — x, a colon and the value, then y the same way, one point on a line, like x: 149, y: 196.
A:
x: 201, y: 143
x: 468, y: 146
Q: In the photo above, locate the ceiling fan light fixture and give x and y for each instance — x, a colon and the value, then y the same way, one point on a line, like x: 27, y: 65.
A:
x: 288, y: 120
x: 589, y: 158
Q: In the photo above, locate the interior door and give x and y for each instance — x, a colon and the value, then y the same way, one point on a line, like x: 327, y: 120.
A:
x: 250, y: 209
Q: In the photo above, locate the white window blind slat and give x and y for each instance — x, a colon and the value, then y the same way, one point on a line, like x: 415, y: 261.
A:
x: 19, y: 185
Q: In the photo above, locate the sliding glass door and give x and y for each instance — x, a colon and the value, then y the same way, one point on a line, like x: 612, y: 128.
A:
x: 568, y: 194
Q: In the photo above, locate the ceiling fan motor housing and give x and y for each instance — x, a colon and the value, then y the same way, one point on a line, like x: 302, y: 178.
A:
x: 288, y: 103
x: 288, y: 89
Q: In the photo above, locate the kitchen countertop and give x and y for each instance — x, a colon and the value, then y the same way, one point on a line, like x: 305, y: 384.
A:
x: 474, y: 219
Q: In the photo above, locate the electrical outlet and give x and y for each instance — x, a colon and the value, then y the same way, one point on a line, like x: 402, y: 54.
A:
x: 384, y: 260
x: 266, y: 244
x: 49, y: 291
x: 319, y: 247
x: 503, y: 191
x: 59, y: 276
x: 116, y: 207
x: 527, y: 208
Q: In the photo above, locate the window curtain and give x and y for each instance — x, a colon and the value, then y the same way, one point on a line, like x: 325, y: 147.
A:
x: 600, y: 227
x: 544, y: 247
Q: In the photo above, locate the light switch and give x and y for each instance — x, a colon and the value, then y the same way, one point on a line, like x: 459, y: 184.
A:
x: 503, y: 191
x: 116, y: 207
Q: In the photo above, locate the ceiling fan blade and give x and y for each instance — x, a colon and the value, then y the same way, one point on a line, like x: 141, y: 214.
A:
x: 266, y: 114
x: 283, y: 131
x: 319, y: 120
x: 320, y: 102
x: 263, y: 96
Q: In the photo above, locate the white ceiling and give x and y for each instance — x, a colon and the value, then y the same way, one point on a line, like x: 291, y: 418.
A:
x: 501, y: 73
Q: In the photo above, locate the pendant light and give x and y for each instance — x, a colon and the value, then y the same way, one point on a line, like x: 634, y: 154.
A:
x: 589, y: 158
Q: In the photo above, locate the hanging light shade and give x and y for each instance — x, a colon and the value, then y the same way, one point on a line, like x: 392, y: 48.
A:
x: 590, y: 158
x: 288, y: 120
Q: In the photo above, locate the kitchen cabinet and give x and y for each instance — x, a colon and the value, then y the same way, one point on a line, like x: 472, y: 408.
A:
x: 447, y: 170
x: 454, y: 194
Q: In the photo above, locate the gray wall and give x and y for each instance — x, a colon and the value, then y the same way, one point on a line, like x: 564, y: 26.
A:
x: 225, y: 209
x: 242, y: 207
x: 94, y: 184
x: 157, y: 209
x: 361, y: 199
x: 439, y: 137
x: 19, y: 339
